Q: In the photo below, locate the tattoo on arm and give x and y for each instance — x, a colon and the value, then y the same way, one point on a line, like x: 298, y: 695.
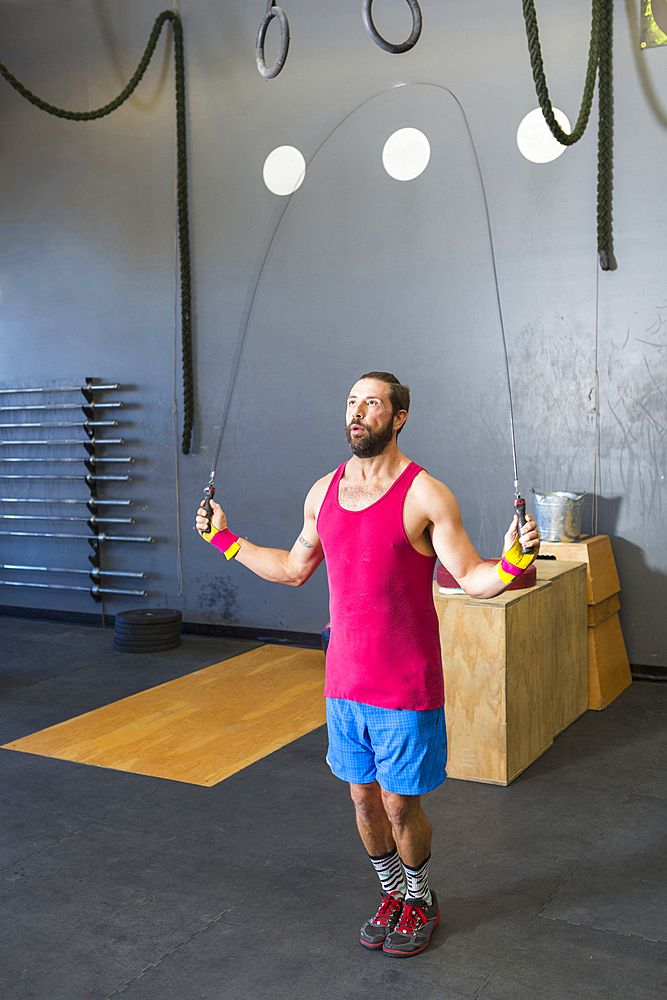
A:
x: 305, y: 542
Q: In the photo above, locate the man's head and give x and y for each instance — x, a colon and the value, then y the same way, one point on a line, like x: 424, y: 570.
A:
x: 377, y: 409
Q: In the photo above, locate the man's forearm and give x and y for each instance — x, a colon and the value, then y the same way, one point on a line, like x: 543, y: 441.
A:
x: 271, y: 564
x: 483, y: 581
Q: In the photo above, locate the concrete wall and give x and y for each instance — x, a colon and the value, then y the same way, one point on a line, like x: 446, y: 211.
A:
x: 363, y: 272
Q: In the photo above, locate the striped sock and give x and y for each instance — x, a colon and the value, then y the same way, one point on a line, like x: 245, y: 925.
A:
x: 417, y: 879
x: 389, y: 868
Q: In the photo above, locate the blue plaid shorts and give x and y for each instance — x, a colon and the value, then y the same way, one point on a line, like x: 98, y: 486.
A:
x: 404, y: 751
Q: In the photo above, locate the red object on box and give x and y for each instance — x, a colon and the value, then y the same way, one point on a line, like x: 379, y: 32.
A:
x: 527, y: 579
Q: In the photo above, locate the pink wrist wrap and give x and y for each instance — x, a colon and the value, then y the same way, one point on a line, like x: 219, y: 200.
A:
x: 226, y: 541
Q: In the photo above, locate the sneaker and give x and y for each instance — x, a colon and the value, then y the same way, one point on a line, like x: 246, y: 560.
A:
x: 374, y: 932
x: 414, y: 928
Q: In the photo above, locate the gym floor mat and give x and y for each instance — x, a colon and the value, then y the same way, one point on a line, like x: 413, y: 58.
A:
x: 202, y: 727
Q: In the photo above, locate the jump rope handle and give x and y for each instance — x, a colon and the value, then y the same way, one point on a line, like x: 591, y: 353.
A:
x: 209, y: 493
x: 520, y: 509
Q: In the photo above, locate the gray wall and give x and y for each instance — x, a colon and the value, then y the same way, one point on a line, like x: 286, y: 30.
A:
x: 364, y: 272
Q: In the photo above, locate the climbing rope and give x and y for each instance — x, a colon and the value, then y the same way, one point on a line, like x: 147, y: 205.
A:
x: 182, y: 183
x: 600, y: 57
x: 606, y: 142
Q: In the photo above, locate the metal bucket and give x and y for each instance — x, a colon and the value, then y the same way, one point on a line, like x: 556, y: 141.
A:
x: 558, y: 515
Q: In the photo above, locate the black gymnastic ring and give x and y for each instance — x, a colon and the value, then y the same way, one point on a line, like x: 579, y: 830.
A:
x: 382, y: 42
x: 272, y: 12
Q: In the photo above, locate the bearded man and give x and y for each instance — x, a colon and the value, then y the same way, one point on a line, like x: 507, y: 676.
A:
x: 381, y: 522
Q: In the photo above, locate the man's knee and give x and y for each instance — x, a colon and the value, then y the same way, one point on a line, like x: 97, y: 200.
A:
x: 402, y: 810
x: 367, y: 799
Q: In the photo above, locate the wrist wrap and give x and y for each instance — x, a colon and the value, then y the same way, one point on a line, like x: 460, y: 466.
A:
x: 225, y: 540
x: 514, y: 562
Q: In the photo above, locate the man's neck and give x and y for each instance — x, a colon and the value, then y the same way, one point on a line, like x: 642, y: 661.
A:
x: 387, y: 466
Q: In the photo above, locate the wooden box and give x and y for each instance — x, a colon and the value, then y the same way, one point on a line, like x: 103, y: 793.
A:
x: 498, y: 667
x: 608, y: 666
x: 596, y: 552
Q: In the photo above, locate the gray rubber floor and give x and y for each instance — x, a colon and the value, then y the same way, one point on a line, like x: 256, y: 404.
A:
x: 117, y: 885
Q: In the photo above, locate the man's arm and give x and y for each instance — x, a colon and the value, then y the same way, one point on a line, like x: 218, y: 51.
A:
x: 475, y: 576
x: 278, y: 565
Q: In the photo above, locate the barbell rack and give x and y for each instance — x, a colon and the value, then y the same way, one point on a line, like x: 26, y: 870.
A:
x: 56, y: 417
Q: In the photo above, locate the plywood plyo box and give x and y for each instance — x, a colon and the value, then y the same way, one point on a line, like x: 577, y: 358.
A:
x: 498, y: 667
x: 608, y: 666
x: 596, y: 552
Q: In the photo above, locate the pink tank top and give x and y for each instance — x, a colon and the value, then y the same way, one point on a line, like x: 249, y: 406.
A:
x: 384, y: 647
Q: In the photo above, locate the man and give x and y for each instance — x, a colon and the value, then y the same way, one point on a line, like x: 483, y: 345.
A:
x: 380, y: 521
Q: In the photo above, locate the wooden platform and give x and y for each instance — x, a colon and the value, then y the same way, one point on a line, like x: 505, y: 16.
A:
x: 608, y: 666
x: 515, y: 671
x: 498, y: 666
x: 202, y: 727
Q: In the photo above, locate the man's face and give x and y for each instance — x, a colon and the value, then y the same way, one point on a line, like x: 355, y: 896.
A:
x: 369, y: 419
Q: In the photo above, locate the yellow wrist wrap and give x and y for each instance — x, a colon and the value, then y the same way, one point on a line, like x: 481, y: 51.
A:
x: 514, y: 562
x: 226, y: 541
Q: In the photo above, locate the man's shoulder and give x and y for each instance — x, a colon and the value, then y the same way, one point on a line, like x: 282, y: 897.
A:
x: 318, y: 490
x: 430, y: 493
x: 322, y: 485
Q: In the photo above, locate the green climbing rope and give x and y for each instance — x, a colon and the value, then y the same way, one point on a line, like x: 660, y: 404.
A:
x: 600, y: 61
x: 181, y: 185
x: 606, y: 143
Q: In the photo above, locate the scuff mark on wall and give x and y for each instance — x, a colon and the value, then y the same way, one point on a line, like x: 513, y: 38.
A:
x: 553, y: 387
x: 633, y: 443
x: 218, y: 602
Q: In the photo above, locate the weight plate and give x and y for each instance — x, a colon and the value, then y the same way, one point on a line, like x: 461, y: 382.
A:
x: 130, y: 648
x: 150, y: 616
x: 148, y: 630
x: 156, y: 640
x: 146, y: 640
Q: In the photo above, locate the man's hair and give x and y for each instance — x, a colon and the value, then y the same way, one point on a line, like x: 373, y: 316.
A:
x: 399, y: 395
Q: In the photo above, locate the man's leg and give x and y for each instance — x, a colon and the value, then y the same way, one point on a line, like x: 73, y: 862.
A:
x: 420, y: 914
x: 410, y: 827
x: 373, y: 823
x: 386, y: 820
x: 378, y: 839
x: 397, y: 825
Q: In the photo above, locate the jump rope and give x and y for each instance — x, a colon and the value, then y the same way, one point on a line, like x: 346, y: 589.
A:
x: 599, y: 61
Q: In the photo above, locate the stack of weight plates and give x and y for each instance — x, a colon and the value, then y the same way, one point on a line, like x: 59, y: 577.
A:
x: 149, y: 630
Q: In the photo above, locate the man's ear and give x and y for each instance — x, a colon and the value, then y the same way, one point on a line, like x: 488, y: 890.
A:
x: 399, y: 419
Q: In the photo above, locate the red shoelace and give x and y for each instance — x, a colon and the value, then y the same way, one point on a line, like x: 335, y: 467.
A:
x: 387, y: 910
x: 411, y: 919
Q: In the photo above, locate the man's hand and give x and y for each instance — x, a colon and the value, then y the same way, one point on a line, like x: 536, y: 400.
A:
x: 530, y: 536
x: 514, y: 562
x: 218, y: 520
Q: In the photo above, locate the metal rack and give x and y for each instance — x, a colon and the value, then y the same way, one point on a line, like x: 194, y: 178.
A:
x: 17, y: 433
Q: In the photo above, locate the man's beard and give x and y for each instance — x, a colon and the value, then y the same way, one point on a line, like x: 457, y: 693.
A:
x: 373, y: 443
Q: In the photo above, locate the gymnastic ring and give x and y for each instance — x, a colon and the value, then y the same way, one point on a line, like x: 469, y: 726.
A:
x: 272, y: 12
x: 382, y: 42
